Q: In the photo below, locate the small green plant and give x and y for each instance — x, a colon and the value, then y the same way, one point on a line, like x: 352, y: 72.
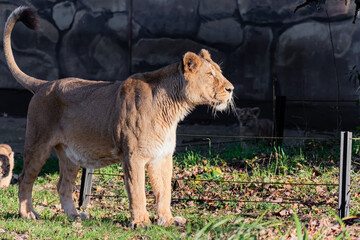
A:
x: 188, y: 158
x: 209, y: 141
x: 233, y: 228
x: 345, y: 233
x: 299, y: 231
x: 211, y: 173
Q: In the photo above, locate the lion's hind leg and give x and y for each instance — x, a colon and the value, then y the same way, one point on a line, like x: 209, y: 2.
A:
x: 34, y: 160
x: 68, y: 173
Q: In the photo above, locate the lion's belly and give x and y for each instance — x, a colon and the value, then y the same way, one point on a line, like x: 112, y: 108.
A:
x: 91, y: 160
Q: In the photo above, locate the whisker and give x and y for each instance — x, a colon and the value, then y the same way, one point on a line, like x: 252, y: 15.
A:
x: 233, y: 107
x: 208, y: 109
x: 214, y: 111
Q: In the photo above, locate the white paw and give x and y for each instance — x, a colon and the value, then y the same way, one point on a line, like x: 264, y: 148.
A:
x: 179, y: 221
x: 83, y: 216
x: 32, y: 215
x: 134, y: 225
x: 162, y: 222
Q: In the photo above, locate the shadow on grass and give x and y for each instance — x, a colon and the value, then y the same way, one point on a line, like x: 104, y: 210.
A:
x: 8, y: 216
x: 61, y: 218
x: 50, y: 167
x: 92, y: 221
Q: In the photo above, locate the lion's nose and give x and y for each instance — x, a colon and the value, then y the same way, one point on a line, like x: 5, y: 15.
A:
x: 229, y: 89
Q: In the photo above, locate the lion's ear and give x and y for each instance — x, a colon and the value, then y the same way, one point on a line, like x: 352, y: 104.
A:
x: 256, y: 111
x: 11, y: 159
x: 191, y: 62
x: 205, y: 54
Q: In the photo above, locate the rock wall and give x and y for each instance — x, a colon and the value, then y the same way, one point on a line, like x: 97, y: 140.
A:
x: 254, y: 40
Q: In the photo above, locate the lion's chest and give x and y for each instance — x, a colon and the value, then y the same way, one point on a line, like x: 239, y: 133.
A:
x: 162, y: 147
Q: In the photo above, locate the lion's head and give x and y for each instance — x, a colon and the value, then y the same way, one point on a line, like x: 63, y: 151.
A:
x: 205, y: 83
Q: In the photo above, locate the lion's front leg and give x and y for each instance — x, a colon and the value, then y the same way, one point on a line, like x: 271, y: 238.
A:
x: 135, y: 187
x: 160, y: 173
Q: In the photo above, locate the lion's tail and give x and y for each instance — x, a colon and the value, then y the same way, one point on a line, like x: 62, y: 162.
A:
x: 29, y: 17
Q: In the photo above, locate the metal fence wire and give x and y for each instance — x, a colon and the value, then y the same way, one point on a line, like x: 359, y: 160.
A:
x: 232, y: 196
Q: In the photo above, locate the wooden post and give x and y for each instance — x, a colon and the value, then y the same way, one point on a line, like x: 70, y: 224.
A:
x: 85, y: 188
x: 344, y: 175
x: 280, y: 104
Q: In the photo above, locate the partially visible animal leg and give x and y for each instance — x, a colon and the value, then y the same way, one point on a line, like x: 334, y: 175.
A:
x: 160, y: 174
x: 68, y: 173
x: 135, y: 185
x: 34, y: 160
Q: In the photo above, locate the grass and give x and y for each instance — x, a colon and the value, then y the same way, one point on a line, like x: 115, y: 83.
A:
x: 212, y: 174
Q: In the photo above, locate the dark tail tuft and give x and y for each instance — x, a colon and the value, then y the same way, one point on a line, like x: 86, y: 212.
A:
x: 29, y: 17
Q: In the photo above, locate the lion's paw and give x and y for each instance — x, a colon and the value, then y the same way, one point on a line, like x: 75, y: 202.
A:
x: 30, y: 215
x: 177, y: 221
x: 140, y: 223
x: 78, y: 216
x: 165, y: 221
x: 83, y: 216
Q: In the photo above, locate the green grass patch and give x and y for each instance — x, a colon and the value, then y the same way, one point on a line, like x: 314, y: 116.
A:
x: 236, y: 174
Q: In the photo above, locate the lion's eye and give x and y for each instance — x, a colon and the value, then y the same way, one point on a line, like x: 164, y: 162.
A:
x: 210, y: 73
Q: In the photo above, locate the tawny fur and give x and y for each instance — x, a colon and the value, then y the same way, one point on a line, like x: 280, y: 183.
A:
x: 6, y: 165
x: 252, y: 125
x: 93, y: 124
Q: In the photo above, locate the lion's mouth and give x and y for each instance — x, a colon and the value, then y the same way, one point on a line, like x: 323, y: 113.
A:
x: 226, y: 105
x: 220, y: 105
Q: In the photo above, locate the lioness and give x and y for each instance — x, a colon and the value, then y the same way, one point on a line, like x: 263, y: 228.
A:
x: 94, y: 124
x: 6, y: 165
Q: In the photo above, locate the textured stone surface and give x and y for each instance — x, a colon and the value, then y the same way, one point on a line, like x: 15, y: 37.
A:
x: 261, y: 11
x: 347, y: 51
x: 108, y: 5
x: 38, y: 4
x: 119, y: 24
x: 150, y: 54
x: 92, y: 54
x: 224, y: 31
x: 211, y: 9
x: 33, y: 62
x: 63, y: 14
x: 43, y: 39
x: 167, y: 18
x: 249, y: 65
x: 253, y: 38
x: 34, y: 51
x: 48, y: 30
x: 5, y: 10
x: 93, y: 37
x: 343, y: 34
x: 7, y: 81
x: 307, y: 46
